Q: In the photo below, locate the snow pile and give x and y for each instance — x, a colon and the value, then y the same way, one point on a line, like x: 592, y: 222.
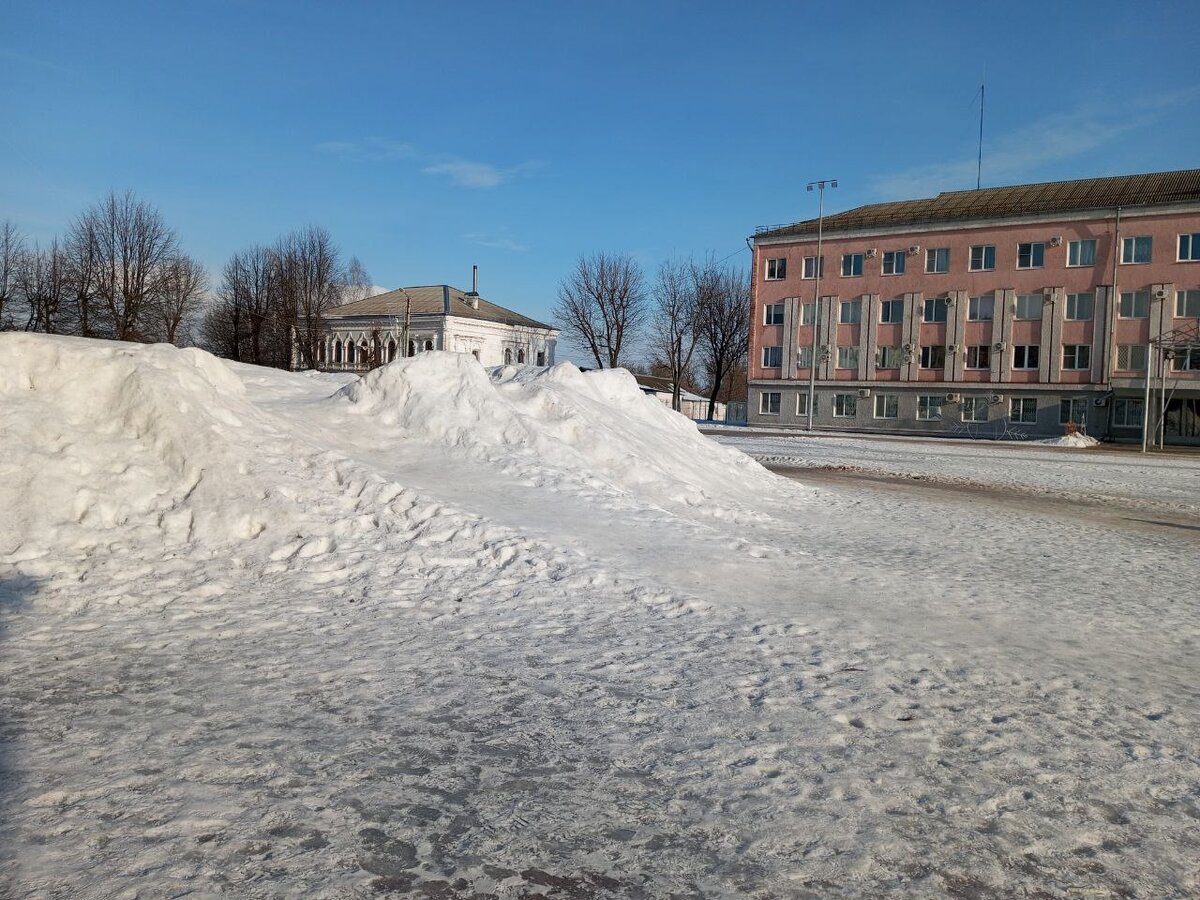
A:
x: 1078, y: 440
x: 99, y: 434
x: 593, y: 427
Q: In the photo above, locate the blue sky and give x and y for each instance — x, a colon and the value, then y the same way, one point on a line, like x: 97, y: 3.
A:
x: 518, y: 135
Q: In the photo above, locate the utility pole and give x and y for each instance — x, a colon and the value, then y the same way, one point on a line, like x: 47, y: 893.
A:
x: 817, y: 266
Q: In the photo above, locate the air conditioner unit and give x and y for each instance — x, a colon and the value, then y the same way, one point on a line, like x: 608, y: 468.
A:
x: 1161, y: 294
x: 864, y: 393
x: 871, y: 253
x: 1056, y: 241
x: 1100, y: 401
x: 999, y: 346
x: 952, y: 398
x: 914, y: 249
x: 994, y: 399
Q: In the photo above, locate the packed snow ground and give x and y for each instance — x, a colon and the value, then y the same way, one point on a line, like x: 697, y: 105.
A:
x: 263, y: 636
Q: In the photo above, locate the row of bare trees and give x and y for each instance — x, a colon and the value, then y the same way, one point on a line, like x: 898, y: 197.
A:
x: 118, y: 273
x: 694, y: 316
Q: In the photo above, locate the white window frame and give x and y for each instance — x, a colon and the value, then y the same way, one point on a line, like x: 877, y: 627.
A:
x: 776, y: 269
x: 882, y: 354
x: 1134, y: 298
x: 1130, y: 247
x: 802, y: 403
x: 769, y: 313
x: 982, y: 258
x: 1023, y: 410
x: 850, y: 312
x: 855, y: 260
x: 1122, y: 406
x: 1036, y: 249
x: 1071, y: 312
x: 934, y: 304
x: 768, y: 353
x: 1075, y: 252
x: 891, y: 406
x: 895, y: 304
x: 896, y: 258
x: 1189, y: 361
x: 1188, y: 248
x: 1074, y: 355
x: 804, y: 357
x: 978, y: 350
x: 845, y: 406
x: 931, y: 355
x: 1131, y: 351
x: 1036, y: 301
x: 975, y: 405
x: 764, y: 402
x: 810, y: 268
x: 1184, y: 299
x: 975, y: 308
x: 934, y: 256
x: 929, y: 407
x: 1033, y: 350
x: 808, y: 313
x: 1067, y: 407
x: 847, y: 357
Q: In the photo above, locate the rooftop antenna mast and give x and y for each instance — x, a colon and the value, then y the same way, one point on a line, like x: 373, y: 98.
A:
x: 979, y: 164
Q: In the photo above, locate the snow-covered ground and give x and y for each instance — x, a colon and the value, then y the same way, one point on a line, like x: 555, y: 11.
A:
x: 267, y: 634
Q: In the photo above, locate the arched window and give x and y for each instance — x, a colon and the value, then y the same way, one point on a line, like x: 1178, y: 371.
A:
x: 349, y: 351
x: 337, y: 351
x: 521, y: 356
x: 364, y: 353
x: 321, y: 352
x: 507, y: 356
x: 391, y: 350
x: 412, y: 348
x: 541, y: 357
x: 429, y: 345
x: 475, y: 353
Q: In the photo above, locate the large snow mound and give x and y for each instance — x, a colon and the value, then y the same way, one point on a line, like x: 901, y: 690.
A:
x: 546, y: 423
x: 99, y: 434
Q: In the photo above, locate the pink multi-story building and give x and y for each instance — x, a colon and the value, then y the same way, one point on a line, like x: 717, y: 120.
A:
x: 1016, y: 311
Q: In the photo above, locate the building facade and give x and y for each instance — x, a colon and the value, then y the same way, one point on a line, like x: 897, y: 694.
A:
x: 1015, y: 312
x: 372, y: 332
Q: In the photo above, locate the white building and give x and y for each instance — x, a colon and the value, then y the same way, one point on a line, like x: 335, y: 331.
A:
x: 376, y: 330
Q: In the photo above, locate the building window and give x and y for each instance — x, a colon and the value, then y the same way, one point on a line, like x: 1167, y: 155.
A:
x: 887, y: 406
x: 1134, y: 305
x: 507, y: 354
x: 768, y: 403
x: 520, y: 353
x: 847, y: 357
x: 850, y: 312
x: 937, y: 260
x: 891, y: 312
x: 350, y: 352
x: 1023, y: 409
x: 1031, y: 256
x: 893, y: 262
x: 1127, y: 413
x: 981, y: 309
x: 1025, y: 356
x: 983, y: 258
x: 772, y: 357
x: 541, y: 357
x: 1072, y: 410
x: 1136, y: 249
x: 1187, y: 304
x: 773, y: 314
x: 934, y: 310
x: 1131, y: 357
x: 429, y: 346
x: 808, y: 313
x: 1081, y: 253
x: 1189, y: 248
x: 802, y: 404
x: 1077, y: 356
x: 810, y: 267
x: 1029, y: 306
x: 1187, y: 360
x: 979, y: 357
x: 1080, y: 306
x: 887, y: 358
x: 929, y: 408
x: 852, y: 264
x: 845, y: 406
x: 391, y: 350
x: 804, y: 358
x: 776, y: 269
x: 933, y: 356
x: 974, y: 409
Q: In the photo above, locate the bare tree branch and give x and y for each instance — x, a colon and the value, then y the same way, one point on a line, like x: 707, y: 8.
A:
x: 724, y: 326
x: 602, y: 306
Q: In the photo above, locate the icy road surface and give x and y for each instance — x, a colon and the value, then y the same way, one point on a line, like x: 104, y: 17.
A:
x: 534, y: 638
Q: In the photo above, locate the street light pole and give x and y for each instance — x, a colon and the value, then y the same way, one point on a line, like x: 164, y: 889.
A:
x: 812, y: 362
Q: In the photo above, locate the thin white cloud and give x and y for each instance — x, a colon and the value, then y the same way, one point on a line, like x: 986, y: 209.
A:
x: 496, y: 242
x: 464, y: 173
x: 1017, y: 155
x: 368, y: 150
x: 468, y: 174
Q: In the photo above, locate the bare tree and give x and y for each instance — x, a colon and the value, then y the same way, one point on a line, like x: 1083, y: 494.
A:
x: 309, y: 283
x: 356, y: 282
x: 675, y: 326
x: 602, y: 305
x: 43, y: 283
x: 12, y: 251
x: 180, y: 298
x: 724, y: 326
x: 132, y: 248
